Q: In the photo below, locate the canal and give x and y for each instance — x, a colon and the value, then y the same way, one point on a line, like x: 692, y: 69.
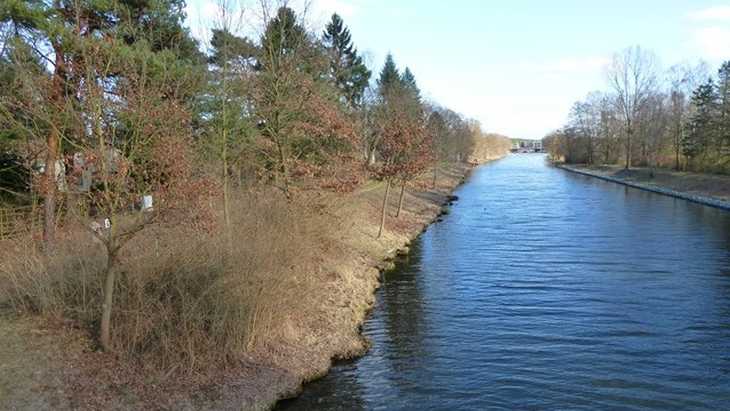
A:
x: 543, y: 289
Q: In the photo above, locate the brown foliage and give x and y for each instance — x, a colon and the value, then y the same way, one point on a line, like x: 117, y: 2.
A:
x: 184, y: 300
x: 405, y: 143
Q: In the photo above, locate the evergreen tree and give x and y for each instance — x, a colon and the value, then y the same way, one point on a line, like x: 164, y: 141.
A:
x: 17, y: 62
x: 298, y: 108
x: 723, y: 92
x: 346, y: 67
x: 118, y: 77
x: 389, y: 76
x: 283, y: 36
x: 161, y: 23
x: 63, y: 30
x: 229, y: 49
x: 701, y: 127
x: 409, y: 83
x: 227, y: 125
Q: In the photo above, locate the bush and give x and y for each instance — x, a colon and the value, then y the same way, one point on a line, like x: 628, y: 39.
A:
x: 182, y: 298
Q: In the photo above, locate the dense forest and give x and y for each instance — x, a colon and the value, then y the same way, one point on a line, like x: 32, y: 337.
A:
x: 157, y: 185
x: 678, y: 118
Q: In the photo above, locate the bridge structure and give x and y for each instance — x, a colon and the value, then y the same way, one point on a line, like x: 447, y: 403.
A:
x: 527, y: 146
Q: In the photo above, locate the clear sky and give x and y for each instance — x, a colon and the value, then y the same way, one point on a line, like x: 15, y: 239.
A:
x: 517, y: 65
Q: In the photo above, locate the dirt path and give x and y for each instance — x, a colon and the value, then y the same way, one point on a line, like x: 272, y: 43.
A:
x: 31, y: 369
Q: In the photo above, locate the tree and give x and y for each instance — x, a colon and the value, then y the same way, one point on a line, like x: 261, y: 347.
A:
x: 59, y: 30
x: 683, y: 80
x: 227, y: 123
x: 283, y: 87
x: 632, y: 75
x: 439, y: 131
x: 388, y: 81
x: 409, y: 83
x: 299, y: 114
x: 347, y: 69
x: 723, y: 92
x: 652, y: 126
x: 608, y: 129
x: 586, y: 121
x: 404, y: 144
x: 389, y: 76
x: 18, y: 66
x: 701, y: 125
x: 113, y: 107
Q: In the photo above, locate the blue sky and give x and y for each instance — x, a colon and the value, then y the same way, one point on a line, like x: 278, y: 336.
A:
x: 517, y: 66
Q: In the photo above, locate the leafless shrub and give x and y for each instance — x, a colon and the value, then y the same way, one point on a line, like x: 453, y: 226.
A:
x: 184, y: 300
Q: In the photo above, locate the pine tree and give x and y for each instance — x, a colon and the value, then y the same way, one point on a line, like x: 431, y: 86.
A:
x: 389, y: 76
x: 701, y: 128
x: 283, y: 36
x: 409, y: 83
x: 68, y: 29
x: 139, y: 53
x: 227, y: 125
x: 227, y: 48
x: 723, y: 92
x: 17, y: 61
x: 346, y: 67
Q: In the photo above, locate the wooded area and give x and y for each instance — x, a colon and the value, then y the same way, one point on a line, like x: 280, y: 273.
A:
x: 126, y: 135
x: 678, y: 118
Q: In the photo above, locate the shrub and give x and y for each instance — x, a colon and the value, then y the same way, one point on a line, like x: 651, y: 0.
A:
x: 184, y: 300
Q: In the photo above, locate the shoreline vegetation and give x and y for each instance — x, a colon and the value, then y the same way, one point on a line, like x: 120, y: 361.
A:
x: 676, y: 119
x: 706, y: 189
x: 194, y: 223
x: 666, y: 131
x: 46, y: 361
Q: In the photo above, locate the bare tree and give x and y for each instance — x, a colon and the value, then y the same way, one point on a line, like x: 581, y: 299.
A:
x: 632, y: 75
x: 653, y: 127
x: 683, y: 79
x: 586, y: 120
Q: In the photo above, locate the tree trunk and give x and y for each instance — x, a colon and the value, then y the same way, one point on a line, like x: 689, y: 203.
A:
x: 49, y: 201
x: 283, y: 170
x: 400, y: 200
x: 371, y: 157
x: 106, y: 313
x: 385, y: 207
x: 227, y: 205
x: 590, y: 150
x: 52, y: 146
x: 628, y: 146
x: 677, y: 143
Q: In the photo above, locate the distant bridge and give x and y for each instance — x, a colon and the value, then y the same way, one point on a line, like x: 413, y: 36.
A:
x: 527, y: 146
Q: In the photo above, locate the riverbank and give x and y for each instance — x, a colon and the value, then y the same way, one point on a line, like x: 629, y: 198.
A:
x: 706, y: 189
x: 320, y: 309
x: 543, y: 289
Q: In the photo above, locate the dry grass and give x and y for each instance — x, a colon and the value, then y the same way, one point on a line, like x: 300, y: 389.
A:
x: 214, y: 326
x: 708, y: 185
x: 183, y: 299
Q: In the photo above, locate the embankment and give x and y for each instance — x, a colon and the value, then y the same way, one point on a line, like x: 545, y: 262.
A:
x: 317, y: 315
x: 344, y: 292
x: 709, y: 190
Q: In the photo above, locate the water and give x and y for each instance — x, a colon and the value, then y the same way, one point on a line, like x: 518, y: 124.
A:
x: 548, y: 290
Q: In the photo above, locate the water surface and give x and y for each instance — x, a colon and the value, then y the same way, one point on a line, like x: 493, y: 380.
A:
x: 544, y: 289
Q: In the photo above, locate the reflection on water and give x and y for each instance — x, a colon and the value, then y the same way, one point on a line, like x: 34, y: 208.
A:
x: 549, y: 290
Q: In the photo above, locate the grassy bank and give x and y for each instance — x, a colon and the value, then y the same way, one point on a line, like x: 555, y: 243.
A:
x: 310, y: 270
x: 710, y: 189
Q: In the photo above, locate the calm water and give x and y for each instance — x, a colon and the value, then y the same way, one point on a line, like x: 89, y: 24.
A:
x: 549, y: 290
